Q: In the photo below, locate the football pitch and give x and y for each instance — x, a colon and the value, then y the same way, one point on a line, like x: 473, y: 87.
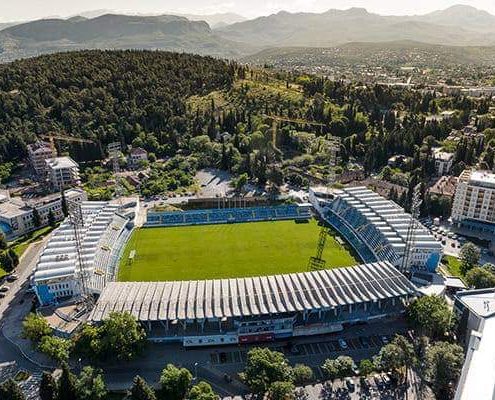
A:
x: 226, y: 251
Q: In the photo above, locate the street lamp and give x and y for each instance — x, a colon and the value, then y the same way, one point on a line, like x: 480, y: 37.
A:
x: 195, y: 371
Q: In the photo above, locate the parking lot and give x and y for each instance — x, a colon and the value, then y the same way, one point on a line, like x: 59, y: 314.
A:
x: 363, y: 346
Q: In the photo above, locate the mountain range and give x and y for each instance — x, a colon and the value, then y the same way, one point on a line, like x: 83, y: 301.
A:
x: 229, y: 35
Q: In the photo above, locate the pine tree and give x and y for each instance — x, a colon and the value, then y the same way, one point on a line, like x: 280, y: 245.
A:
x: 141, y: 390
x: 51, y: 219
x: 3, y: 241
x: 48, y: 387
x: 66, y: 389
x: 65, y: 209
x: 36, y: 218
x: 14, y: 257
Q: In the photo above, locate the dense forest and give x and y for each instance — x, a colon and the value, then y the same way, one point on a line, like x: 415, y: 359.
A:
x: 105, y: 96
x: 192, y: 112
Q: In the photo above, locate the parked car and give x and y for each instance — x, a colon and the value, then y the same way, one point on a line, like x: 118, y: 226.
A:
x: 350, y: 385
x: 343, y: 344
x: 385, y: 339
x: 4, y: 289
x: 11, y: 278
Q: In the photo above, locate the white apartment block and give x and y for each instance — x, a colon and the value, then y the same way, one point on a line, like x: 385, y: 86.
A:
x: 474, y: 201
x: 443, y: 161
x: 137, y: 155
x: 16, y: 214
x: 38, y: 153
x: 63, y: 173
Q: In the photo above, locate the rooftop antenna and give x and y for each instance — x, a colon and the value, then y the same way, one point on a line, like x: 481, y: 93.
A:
x: 412, y: 229
x: 76, y: 219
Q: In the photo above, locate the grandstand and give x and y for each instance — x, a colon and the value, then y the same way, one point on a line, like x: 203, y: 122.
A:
x: 376, y: 228
x: 102, y: 236
x: 228, y: 215
x: 257, y: 309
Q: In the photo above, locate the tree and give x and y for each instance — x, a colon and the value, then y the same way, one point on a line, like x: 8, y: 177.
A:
x: 65, y: 208
x: 6, y: 261
x: 48, y: 387
x: 66, y: 389
x: 51, y: 219
x: 264, y: 367
x: 397, y: 357
x: 202, y: 391
x: 480, y: 278
x: 34, y: 327
x: 3, y: 241
x: 469, y: 256
x: 281, y: 391
x: 174, y: 382
x: 430, y: 315
x: 341, y: 367
x: 90, y: 385
x: 240, y: 182
x: 87, y: 342
x: 10, y: 390
x: 14, y: 257
x: 36, y: 218
x: 141, y: 390
x: 302, y: 374
x: 442, y: 368
x: 55, y: 347
x: 366, y: 367
x: 489, y: 267
x: 121, y: 336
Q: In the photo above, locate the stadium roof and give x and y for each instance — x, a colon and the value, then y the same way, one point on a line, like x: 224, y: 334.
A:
x: 375, y: 208
x: 245, y: 297
x: 59, y: 257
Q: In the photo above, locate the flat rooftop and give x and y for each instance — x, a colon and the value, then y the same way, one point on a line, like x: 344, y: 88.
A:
x: 61, y: 163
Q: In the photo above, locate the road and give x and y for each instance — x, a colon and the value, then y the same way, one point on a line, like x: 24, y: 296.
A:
x: 11, y: 303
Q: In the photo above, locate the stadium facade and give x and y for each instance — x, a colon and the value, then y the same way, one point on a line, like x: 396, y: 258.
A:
x: 378, y: 229
x: 259, y: 309
x: 59, y: 275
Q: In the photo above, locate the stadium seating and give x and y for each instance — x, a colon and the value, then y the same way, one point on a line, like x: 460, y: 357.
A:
x: 228, y: 215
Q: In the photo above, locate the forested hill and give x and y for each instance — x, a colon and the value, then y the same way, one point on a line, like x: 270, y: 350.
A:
x: 103, y: 95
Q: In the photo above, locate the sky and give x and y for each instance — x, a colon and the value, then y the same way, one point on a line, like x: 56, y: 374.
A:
x: 20, y: 10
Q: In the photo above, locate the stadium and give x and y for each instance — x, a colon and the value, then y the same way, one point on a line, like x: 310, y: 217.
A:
x: 236, y: 275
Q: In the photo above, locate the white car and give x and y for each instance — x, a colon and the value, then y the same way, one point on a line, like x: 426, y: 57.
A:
x: 343, y: 344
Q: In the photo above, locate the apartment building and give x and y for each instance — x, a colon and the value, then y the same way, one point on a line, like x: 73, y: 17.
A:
x: 38, y: 153
x: 17, y: 214
x: 63, y: 173
x: 474, y: 201
x: 443, y: 161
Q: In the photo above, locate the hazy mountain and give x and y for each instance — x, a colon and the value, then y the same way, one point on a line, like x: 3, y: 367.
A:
x: 114, y: 31
x: 4, y: 25
x: 216, y: 20
x: 398, y: 53
x: 466, y: 16
x: 356, y: 24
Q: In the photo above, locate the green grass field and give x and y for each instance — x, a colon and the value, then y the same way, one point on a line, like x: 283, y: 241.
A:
x: 226, y: 251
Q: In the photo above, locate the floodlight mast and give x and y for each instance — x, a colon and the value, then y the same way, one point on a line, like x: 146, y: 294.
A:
x: 317, y: 262
x: 411, y: 230
x: 76, y: 219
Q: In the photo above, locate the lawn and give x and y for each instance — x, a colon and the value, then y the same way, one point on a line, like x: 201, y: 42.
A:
x: 453, y: 265
x: 226, y: 251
